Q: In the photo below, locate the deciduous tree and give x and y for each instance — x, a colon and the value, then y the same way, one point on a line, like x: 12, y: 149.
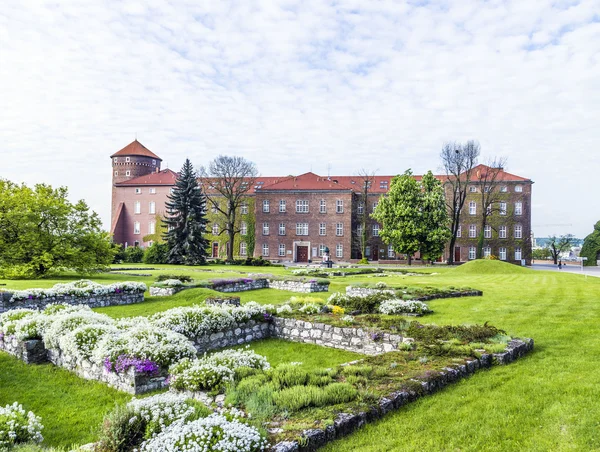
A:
x: 591, y: 247
x: 435, y: 231
x: 557, y: 245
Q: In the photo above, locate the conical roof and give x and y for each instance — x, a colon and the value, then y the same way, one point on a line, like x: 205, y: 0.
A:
x: 136, y: 148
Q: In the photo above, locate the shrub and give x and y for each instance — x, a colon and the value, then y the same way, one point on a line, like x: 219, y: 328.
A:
x: 133, y: 255
x: 339, y: 393
x: 287, y: 375
x: 214, y: 433
x: 466, y: 333
x: 365, y: 371
x: 82, y: 340
x: 182, y: 278
x: 65, y: 322
x: 295, y: 398
x: 82, y: 288
x: 365, y: 304
x: 18, y: 426
x: 403, y: 307
x: 156, y: 254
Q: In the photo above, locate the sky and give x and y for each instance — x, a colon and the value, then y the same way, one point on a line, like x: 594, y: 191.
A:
x: 298, y: 86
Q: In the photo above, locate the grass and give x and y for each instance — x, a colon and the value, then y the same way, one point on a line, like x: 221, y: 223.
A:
x: 71, y: 408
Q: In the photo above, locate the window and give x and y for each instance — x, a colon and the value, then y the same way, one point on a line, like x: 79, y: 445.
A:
x: 244, y: 209
x: 301, y: 228
x: 472, y: 231
x: 339, y: 229
x: 486, y: 189
x: 150, y: 243
x: 138, y: 191
x: 487, y: 251
x: 502, y: 232
x: 473, y: 189
x: 127, y: 173
x: 502, y: 253
x: 265, y: 228
x: 375, y: 230
x: 339, y: 250
x: 116, y: 173
x: 152, y: 207
x: 322, y: 229
x: 323, y: 206
x: 152, y: 191
x: 301, y: 206
x: 136, y: 227
x: 502, y: 208
x: 137, y: 207
x: 339, y: 206
x: 321, y: 250
x: 243, y: 249
x: 459, y: 231
x: 266, y: 206
x: 243, y: 228
x: 518, y: 188
x: 472, y: 252
x: 152, y: 227
x: 265, y: 249
x: 115, y: 159
x: 359, y: 230
x: 391, y: 252
x: 360, y: 208
x: 281, y: 249
x: 374, y: 206
x: 472, y: 208
x: 383, y: 185
x: 128, y: 159
x: 518, y: 208
x: 281, y: 228
x: 518, y: 231
x: 282, y: 205
x: 518, y: 254
x: 153, y: 162
x: 487, y: 231
x: 215, y: 229
x: 503, y: 189
x: 488, y: 210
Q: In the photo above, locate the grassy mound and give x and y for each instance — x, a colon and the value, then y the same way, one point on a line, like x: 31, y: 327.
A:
x: 486, y: 266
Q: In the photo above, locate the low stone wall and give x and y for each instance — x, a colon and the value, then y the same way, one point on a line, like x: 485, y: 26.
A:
x: 214, y: 301
x: 156, y: 291
x: 363, y: 291
x: 240, y: 334
x: 298, y: 286
x: 346, y: 423
x: 352, y: 339
x: 129, y: 381
x: 30, y: 352
x: 96, y: 301
x: 242, y: 287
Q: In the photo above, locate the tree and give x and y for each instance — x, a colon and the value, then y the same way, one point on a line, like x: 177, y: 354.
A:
x: 591, y: 247
x: 435, y: 220
x: 42, y: 231
x: 541, y: 254
x: 158, y: 253
x: 366, y: 181
x: 186, y: 222
x: 557, y: 245
x: 227, y: 182
x: 458, y: 161
x: 488, y: 181
x: 399, y: 214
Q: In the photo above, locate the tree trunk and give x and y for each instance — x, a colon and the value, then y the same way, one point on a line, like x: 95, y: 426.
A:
x: 231, y: 233
x: 410, y: 259
x: 450, y: 260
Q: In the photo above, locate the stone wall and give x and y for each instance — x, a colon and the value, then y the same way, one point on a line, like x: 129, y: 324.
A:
x: 242, y: 287
x: 240, y: 334
x: 156, y: 291
x: 363, y: 291
x: 220, y: 301
x: 298, y: 286
x: 352, y: 339
x: 30, y: 352
x: 95, y: 301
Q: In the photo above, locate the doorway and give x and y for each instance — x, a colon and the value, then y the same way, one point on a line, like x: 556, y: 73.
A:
x: 302, y: 254
x: 457, y: 254
x: 215, y: 249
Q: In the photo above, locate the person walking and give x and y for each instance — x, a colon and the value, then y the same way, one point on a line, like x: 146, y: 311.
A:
x: 559, y: 265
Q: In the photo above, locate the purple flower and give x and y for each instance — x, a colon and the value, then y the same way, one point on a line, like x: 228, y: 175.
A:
x: 30, y: 296
x: 268, y: 317
x: 124, y: 362
x: 376, y: 337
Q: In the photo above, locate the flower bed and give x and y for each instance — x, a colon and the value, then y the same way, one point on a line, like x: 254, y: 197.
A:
x: 82, y: 292
x: 413, y: 293
x: 18, y: 426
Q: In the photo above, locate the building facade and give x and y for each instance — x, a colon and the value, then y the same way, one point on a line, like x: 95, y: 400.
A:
x: 299, y: 218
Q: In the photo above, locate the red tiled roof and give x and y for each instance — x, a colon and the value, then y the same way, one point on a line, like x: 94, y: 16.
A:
x: 136, y: 148
x: 164, y: 177
x: 502, y: 175
x: 306, y: 181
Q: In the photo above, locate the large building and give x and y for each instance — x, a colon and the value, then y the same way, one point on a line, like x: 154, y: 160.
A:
x: 296, y: 218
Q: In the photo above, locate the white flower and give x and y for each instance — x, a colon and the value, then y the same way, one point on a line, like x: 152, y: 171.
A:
x: 403, y: 307
x: 16, y: 425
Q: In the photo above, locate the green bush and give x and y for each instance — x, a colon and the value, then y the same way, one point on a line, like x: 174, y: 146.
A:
x: 287, y: 375
x: 365, y: 371
x: 182, y: 278
x: 260, y: 403
x: 466, y: 333
x: 133, y: 255
x: 297, y: 397
x: 156, y: 254
x: 339, y: 393
x: 121, y: 431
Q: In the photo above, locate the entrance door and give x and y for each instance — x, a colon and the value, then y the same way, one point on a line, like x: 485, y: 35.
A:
x: 375, y: 253
x: 302, y: 254
x: 457, y: 254
x: 215, y: 249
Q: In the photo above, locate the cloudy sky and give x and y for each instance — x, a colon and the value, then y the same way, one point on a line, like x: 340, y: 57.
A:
x: 306, y: 85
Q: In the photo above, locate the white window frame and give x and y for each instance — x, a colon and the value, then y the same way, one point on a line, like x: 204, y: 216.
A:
x: 323, y: 206
x: 244, y: 209
x: 472, y: 253
x: 339, y: 250
x: 265, y: 229
x: 265, y: 250
x: 375, y: 230
x: 116, y: 173
x: 375, y: 206
x: 487, y: 251
x: 243, y: 228
x: 152, y: 227
x: 281, y: 228
x: 339, y: 206
x: 360, y: 208
x: 502, y: 253
x: 301, y: 206
x: 502, y: 232
x: 459, y: 231
x: 518, y: 188
x: 502, y: 208
x: 322, y: 228
x: 266, y: 206
x: 153, y: 161
x: 504, y: 189
x: 518, y: 253
x: 137, y: 207
x: 138, y: 191
x: 215, y: 229
x: 282, y: 206
x: 391, y: 252
x: 136, y: 227
x: 127, y: 159
x: 472, y: 189
x: 301, y: 228
x: 152, y: 207
x: 281, y: 249
x: 321, y: 251
x: 518, y: 231
x: 359, y: 230
x: 518, y: 208
x: 472, y: 231
x: 339, y: 229
x: 472, y: 208
x: 116, y: 159
x: 152, y: 191
x: 127, y: 173
x: 487, y: 232
x: 243, y: 249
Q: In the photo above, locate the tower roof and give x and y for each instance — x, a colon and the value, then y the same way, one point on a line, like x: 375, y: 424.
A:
x: 136, y: 148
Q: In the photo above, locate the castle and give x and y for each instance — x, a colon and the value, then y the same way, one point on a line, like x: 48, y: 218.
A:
x: 295, y: 218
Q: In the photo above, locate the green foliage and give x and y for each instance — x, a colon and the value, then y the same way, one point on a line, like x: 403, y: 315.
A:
x: 42, y: 231
x: 287, y: 375
x: 156, y: 254
x: 489, y: 267
x: 430, y: 334
x: 181, y: 277
x: 133, y: 254
x: 557, y: 245
x: 541, y: 254
x: 591, y: 247
x: 297, y: 397
x: 122, y: 430
x: 435, y: 232
x: 365, y: 371
x: 187, y: 220
x: 366, y: 304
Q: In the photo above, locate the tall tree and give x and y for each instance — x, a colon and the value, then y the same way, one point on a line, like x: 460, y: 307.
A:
x: 435, y: 220
x: 591, y: 247
x: 366, y: 179
x: 458, y: 161
x: 186, y: 220
x: 229, y: 179
x: 558, y: 245
x: 488, y: 180
x: 400, y: 215
x: 41, y: 231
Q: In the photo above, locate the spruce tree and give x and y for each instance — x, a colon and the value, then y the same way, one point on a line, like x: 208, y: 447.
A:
x: 186, y: 220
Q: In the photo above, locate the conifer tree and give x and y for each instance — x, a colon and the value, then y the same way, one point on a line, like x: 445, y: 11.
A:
x: 186, y: 220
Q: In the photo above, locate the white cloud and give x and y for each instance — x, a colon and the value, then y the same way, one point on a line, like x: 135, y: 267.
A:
x: 297, y: 85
